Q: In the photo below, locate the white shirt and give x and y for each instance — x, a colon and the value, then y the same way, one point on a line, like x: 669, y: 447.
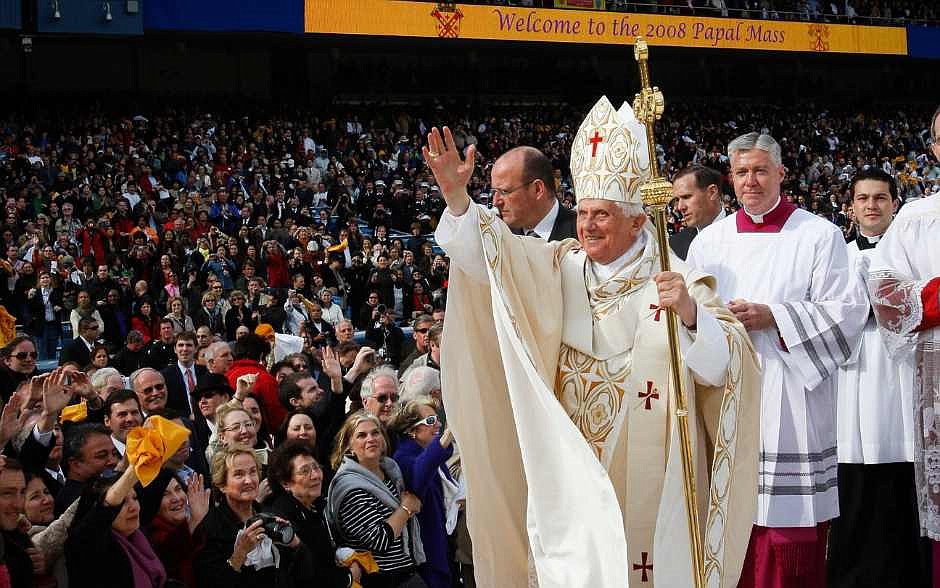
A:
x: 119, y: 445
x: 545, y: 226
x: 183, y: 369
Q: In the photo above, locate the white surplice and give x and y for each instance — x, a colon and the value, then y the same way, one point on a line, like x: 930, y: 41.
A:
x: 906, y: 264
x: 576, y: 514
x: 801, y: 272
x: 875, y: 416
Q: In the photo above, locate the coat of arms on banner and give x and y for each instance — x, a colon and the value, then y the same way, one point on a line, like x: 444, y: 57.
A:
x: 820, y: 34
x: 448, y: 17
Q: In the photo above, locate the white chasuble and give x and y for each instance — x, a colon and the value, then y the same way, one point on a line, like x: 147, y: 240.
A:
x: 556, y: 385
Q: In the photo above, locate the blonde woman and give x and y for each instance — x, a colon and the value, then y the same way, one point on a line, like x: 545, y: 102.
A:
x: 368, y: 507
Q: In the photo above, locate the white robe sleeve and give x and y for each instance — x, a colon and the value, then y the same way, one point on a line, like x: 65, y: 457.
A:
x: 459, y: 237
x: 821, y: 330
x: 706, y: 349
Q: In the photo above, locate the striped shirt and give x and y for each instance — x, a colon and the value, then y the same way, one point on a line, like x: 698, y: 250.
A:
x: 362, y: 517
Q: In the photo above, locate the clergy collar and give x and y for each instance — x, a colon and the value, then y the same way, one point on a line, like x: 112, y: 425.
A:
x: 865, y: 242
x: 771, y: 221
x: 545, y: 226
x: 604, y: 271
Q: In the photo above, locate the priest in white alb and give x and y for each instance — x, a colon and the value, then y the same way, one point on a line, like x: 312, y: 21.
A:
x: 555, y: 367
x: 904, y: 281
x: 875, y: 541
x: 784, y: 273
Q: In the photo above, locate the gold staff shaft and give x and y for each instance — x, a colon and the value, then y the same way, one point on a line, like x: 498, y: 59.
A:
x: 657, y: 193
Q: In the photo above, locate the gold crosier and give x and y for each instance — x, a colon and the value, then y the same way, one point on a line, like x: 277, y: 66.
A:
x: 657, y: 192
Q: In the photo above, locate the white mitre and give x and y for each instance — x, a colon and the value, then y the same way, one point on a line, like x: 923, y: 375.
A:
x: 610, y: 157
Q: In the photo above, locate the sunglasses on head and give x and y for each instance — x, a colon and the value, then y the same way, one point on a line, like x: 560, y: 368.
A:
x: 24, y: 354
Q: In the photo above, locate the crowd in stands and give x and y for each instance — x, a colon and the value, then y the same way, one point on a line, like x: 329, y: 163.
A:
x: 209, y: 272
x: 888, y: 12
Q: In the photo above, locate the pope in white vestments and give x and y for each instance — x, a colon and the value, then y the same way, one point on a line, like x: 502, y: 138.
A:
x: 555, y: 367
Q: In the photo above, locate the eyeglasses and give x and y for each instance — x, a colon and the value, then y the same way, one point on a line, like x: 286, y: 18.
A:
x: 504, y: 193
x: 24, y: 354
x: 429, y: 421
x: 242, y: 426
x: 382, y: 399
x: 307, y: 470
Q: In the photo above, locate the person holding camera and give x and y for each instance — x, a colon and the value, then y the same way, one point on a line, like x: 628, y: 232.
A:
x: 386, y: 338
x: 296, y: 481
x: 242, y: 548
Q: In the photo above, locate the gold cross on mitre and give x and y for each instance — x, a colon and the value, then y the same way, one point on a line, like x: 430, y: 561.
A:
x: 609, y: 159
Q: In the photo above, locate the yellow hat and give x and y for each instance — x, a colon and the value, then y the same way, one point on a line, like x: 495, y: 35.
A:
x: 610, y: 159
x: 148, y: 448
x: 264, y: 330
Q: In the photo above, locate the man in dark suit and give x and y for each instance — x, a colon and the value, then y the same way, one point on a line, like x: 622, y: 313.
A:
x: 386, y: 338
x: 79, y: 349
x: 182, y: 377
x: 523, y: 190
x: 698, y: 190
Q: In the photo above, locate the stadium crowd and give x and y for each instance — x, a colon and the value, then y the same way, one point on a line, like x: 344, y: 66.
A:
x: 211, y: 271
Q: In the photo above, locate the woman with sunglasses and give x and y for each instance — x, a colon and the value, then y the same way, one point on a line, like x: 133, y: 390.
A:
x: 19, y: 364
x: 422, y: 455
x: 238, y: 315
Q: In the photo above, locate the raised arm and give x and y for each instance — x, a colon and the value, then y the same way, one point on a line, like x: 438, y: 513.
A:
x: 451, y: 173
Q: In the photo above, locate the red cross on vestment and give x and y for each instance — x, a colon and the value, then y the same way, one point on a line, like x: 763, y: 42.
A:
x: 594, y: 142
x: 650, y: 395
x: 644, y: 567
x: 658, y: 309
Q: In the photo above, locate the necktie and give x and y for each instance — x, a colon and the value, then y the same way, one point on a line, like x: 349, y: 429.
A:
x: 190, y: 382
x: 531, y: 233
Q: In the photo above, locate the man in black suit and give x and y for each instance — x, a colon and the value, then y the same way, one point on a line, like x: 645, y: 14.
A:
x: 182, y: 377
x: 79, y: 349
x: 698, y: 190
x: 386, y: 338
x: 523, y: 190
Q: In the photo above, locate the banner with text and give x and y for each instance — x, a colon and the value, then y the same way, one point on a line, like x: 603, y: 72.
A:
x: 503, y: 23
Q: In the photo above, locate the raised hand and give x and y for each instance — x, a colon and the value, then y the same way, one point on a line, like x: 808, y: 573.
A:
x: 451, y: 173
x: 244, y: 385
x: 55, y: 394
x: 330, y: 364
x: 9, y: 421
x: 81, y: 385
x: 198, y: 496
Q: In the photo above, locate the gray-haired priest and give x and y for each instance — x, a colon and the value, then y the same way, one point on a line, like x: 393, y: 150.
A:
x: 785, y: 275
x: 556, y: 373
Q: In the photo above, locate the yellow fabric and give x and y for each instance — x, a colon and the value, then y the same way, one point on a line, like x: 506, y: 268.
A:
x: 264, y: 330
x: 365, y: 561
x: 74, y: 413
x: 341, y: 246
x: 149, y: 448
x: 7, y: 326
